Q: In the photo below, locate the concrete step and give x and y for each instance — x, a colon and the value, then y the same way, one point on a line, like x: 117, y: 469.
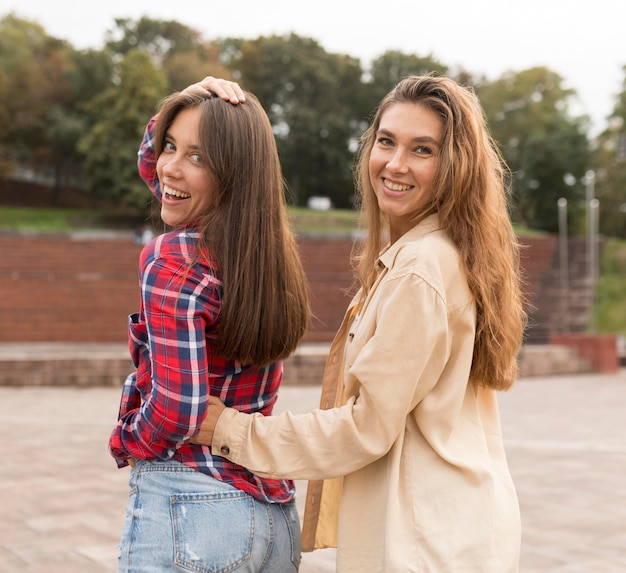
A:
x: 89, y: 364
x: 93, y: 364
x: 551, y: 359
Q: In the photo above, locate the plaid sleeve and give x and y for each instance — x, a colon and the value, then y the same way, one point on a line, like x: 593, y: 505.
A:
x: 179, y: 305
x: 146, y: 160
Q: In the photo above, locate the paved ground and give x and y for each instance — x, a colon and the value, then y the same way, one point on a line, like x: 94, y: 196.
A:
x: 62, y: 498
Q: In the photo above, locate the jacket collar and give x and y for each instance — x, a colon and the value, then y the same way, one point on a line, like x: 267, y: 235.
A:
x: 421, y: 229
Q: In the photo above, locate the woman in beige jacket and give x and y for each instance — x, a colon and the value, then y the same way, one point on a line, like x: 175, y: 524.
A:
x: 408, y: 436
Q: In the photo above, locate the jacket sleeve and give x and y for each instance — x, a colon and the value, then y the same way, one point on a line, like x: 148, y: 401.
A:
x: 397, y: 365
x: 147, y: 160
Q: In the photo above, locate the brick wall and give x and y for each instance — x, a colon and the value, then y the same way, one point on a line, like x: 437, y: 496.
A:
x: 327, y: 266
x: 81, y: 287
x: 66, y: 288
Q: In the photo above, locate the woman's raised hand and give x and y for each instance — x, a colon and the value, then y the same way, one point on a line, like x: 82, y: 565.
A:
x: 225, y: 89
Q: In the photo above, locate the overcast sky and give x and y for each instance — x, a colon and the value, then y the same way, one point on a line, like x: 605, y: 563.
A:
x: 583, y: 41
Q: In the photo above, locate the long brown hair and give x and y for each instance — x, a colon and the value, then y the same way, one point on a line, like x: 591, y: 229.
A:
x: 265, y: 308
x: 471, y: 200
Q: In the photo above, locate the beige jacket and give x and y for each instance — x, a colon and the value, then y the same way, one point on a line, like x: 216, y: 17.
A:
x: 426, y: 486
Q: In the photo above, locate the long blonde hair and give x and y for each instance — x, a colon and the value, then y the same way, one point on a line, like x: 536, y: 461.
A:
x: 265, y: 308
x: 471, y: 200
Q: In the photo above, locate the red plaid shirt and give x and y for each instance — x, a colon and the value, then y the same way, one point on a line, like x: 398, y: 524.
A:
x: 172, y: 344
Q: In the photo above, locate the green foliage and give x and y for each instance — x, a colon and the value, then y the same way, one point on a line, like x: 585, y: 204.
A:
x: 546, y: 149
x: 76, y: 117
x: 110, y: 146
x: 156, y: 37
x: 33, y: 69
x: 609, y: 164
x: 389, y: 68
x: 611, y: 288
x: 303, y: 89
x: 176, y: 49
x: 43, y: 86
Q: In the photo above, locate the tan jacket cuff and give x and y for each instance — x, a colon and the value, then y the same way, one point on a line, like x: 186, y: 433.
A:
x: 227, y: 436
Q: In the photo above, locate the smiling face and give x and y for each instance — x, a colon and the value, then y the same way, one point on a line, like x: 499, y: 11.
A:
x: 187, y: 186
x: 403, y: 162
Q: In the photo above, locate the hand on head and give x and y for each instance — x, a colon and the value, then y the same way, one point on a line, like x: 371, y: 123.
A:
x: 225, y: 89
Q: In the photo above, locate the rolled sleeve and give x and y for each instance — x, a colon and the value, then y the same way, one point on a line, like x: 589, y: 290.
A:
x: 147, y: 159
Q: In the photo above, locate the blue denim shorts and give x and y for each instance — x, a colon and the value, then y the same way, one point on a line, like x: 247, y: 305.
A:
x: 178, y: 519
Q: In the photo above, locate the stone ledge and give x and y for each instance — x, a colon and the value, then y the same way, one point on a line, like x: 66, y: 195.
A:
x: 92, y: 364
x: 600, y: 350
x: 550, y: 360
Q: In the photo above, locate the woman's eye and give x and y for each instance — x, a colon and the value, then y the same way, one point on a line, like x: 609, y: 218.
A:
x: 169, y: 146
x: 423, y: 150
x: 384, y: 141
x: 196, y: 158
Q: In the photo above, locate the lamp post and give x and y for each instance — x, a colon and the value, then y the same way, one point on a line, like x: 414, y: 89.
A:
x: 590, y: 201
x: 563, y: 264
x: 594, y: 205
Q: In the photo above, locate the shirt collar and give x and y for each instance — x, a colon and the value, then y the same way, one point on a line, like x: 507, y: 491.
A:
x: 425, y: 226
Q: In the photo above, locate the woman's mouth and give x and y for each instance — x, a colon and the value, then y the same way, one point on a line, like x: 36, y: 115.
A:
x: 396, y: 186
x: 174, y: 194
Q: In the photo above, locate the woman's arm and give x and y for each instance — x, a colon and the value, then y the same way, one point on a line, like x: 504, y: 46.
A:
x: 147, y: 160
x: 396, y: 367
x: 177, y: 317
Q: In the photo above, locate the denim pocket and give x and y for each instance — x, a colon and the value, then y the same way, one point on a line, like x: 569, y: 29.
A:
x: 213, y: 533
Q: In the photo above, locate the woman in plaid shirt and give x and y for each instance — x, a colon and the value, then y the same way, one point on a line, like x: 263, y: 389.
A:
x: 223, y: 301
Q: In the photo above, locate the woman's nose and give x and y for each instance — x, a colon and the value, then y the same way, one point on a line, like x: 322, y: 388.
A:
x: 171, y: 166
x: 397, y: 162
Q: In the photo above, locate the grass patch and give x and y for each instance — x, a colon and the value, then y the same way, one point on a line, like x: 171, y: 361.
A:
x: 611, y: 288
x: 304, y: 221
x: 65, y: 220
x: 521, y: 231
x: 26, y: 219
x: 334, y: 221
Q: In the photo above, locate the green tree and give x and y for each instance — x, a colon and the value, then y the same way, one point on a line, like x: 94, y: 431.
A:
x: 44, y: 85
x: 33, y: 83
x: 390, y: 67
x: 89, y: 74
x: 544, y: 145
x: 92, y: 73
x: 180, y: 51
x: 609, y: 164
x: 110, y: 146
x: 310, y: 96
x: 158, y: 38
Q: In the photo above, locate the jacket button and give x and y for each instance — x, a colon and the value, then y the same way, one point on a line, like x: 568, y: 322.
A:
x: 225, y: 450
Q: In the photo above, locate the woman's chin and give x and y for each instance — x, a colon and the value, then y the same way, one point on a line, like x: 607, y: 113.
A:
x: 170, y: 218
